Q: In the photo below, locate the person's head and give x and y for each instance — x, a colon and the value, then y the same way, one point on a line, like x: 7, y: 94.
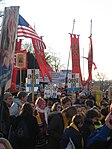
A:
x: 13, y: 90
x: 5, y: 144
x: 92, y: 114
x: 22, y: 95
x: 32, y: 105
x: 49, y: 104
x: 78, y: 108
x: 56, y: 107
x: 65, y: 102
x: 8, y: 98
x: 89, y: 103
x: 73, y: 99
x: 26, y: 109
x: 69, y: 112
x: 41, y: 103
x: 78, y: 120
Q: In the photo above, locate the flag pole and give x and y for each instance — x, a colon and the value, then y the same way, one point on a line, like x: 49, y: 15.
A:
x: 90, y: 27
x: 69, y: 58
x: 89, y: 37
x: 83, y: 65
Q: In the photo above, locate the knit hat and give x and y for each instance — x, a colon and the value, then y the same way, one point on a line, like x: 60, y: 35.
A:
x: 40, y: 101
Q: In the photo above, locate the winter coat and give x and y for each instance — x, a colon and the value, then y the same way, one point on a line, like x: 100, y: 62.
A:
x: 41, y: 120
x: 101, y: 138
x: 87, y: 129
x: 75, y: 135
x: 15, y: 107
x: 4, y: 120
x: 55, y: 130
x: 33, y: 130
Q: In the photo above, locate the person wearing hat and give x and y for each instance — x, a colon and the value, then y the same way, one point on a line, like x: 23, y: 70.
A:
x: 13, y: 89
x: 41, y: 116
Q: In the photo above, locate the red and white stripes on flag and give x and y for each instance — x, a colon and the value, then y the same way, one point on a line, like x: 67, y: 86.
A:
x: 25, y: 30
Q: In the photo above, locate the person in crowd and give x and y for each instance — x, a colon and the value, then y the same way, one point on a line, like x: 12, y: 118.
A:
x: 57, y: 122
x: 48, y: 107
x: 41, y: 115
x: 78, y: 108
x: 67, y: 114
x: 26, y: 115
x: 102, y: 137
x: 98, y: 123
x: 89, y: 103
x: 33, y: 106
x: 104, y: 112
x: 13, y: 90
x: 8, y: 98
x: 73, y: 99
x: 5, y: 144
x: 91, y: 118
x: 65, y: 102
x: 4, y: 114
x: 18, y: 102
x: 72, y: 133
x: 56, y: 107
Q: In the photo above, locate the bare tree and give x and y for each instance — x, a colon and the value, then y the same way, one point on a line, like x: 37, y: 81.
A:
x: 54, y: 61
x: 101, y: 77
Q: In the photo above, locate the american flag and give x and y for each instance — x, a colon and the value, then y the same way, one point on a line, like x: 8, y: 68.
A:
x: 25, y: 30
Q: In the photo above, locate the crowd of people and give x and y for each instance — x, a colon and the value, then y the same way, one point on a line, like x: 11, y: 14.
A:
x: 72, y: 121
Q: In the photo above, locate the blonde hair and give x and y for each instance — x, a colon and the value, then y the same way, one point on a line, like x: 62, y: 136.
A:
x: 6, y: 143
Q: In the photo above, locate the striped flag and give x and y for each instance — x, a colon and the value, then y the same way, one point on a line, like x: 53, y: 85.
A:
x: 25, y: 30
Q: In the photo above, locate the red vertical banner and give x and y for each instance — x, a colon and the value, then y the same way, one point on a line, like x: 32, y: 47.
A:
x: 75, y: 53
x: 40, y: 56
x: 15, y: 71
x: 90, y: 59
x: 38, y: 53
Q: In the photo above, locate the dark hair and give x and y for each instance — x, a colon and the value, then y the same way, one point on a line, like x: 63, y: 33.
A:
x: 92, y: 113
x: 64, y: 100
x: 26, y: 109
x: 70, y: 112
x: 89, y: 103
x: 21, y: 94
x: 54, y: 106
x: 77, y: 119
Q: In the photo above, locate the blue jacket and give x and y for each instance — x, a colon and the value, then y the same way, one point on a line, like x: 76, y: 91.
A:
x: 101, y: 134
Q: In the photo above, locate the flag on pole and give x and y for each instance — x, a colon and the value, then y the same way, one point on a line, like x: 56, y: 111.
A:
x: 25, y: 30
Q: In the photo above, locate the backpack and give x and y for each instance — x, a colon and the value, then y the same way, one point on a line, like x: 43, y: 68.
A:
x: 22, y: 132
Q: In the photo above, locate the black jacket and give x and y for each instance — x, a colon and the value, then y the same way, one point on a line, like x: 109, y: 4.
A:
x: 55, y: 130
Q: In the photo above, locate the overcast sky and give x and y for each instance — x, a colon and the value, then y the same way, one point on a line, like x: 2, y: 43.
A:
x: 53, y: 19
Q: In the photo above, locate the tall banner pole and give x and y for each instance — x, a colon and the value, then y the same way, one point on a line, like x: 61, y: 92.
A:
x: 20, y: 78
x: 90, y: 43
x: 69, y: 57
x: 33, y: 78
x: 91, y: 27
